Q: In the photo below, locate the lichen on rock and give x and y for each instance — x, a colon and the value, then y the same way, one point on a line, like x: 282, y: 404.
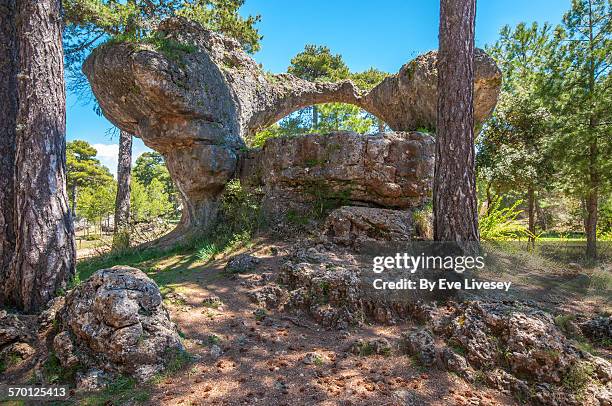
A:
x: 115, y: 321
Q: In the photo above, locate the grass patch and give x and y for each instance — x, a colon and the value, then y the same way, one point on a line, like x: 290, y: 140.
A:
x: 239, y: 219
x: 212, y: 303
x: 55, y: 373
x: 172, y: 49
x: 563, y: 321
x: 578, y: 377
x: 123, y: 390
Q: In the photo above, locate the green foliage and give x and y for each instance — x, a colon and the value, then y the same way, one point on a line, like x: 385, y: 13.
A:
x: 91, y: 22
x: 423, y: 221
x: 260, y: 314
x: 223, y: 16
x: 121, y: 391
x: 578, y: 377
x: 499, y: 223
x: 96, y: 203
x: 325, y: 199
x: 176, y: 360
x: 239, y: 219
x: 240, y: 210
x: 83, y: 169
x: 318, y: 64
x: 580, y: 92
x: 55, y: 373
x: 149, y: 202
x: 212, y: 303
x: 562, y: 321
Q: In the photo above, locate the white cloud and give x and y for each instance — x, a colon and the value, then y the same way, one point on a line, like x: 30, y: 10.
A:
x: 108, y: 153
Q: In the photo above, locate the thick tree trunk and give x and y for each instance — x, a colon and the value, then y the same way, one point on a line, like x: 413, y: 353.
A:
x: 8, y: 116
x: 531, y: 214
x: 590, y: 223
x: 44, y: 258
x: 455, y: 204
x: 122, y: 202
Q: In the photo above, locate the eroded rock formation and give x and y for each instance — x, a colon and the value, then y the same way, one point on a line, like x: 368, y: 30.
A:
x: 195, y: 96
x: 308, y: 173
x: 115, y: 323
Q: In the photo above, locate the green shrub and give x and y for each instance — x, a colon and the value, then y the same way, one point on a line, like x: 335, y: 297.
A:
x: 578, y: 377
x: 500, y: 223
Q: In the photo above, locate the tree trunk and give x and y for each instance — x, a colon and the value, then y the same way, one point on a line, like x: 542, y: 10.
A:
x: 489, y: 197
x: 455, y: 204
x: 8, y: 116
x: 531, y: 213
x: 122, y: 202
x: 315, y: 117
x: 73, y: 201
x: 590, y: 224
x: 381, y: 125
x: 44, y: 258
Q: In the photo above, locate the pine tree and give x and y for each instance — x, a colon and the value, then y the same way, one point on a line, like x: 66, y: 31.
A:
x: 454, y: 191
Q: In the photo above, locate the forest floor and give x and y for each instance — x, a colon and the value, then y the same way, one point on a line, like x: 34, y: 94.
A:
x: 269, y: 360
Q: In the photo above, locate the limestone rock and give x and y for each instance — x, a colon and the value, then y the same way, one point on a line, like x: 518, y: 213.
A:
x: 311, y: 173
x: 598, y: 328
x: 199, y: 96
x: 376, y: 346
x: 12, y: 329
x: 408, y: 100
x: 421, y: 344
x: 17, y: 338
x: 270, y: 296
x: 454, y: 362
x: 115, y: 321
x: 241, y: 263
x: 354, y: 226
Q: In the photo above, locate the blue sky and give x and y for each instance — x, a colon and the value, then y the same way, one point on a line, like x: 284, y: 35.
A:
x: 384, y: 34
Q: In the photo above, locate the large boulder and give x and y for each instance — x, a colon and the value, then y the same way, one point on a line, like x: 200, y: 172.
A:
x: 311, y: 173
x: 115, y: 321
x: 355, y: 226
x: 195, y: 96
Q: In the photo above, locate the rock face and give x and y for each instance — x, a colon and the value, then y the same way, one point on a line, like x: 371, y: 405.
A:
x: 115, y: 321
x: 17, y: 338
x: 313, y: 172
x: 355, y: 226
x: 197, y: 96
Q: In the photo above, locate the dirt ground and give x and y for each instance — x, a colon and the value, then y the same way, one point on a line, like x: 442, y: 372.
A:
x: 263, y: 361
x: 267, y: 359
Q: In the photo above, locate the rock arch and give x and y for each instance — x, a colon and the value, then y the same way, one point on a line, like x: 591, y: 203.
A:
x: 199, y: 95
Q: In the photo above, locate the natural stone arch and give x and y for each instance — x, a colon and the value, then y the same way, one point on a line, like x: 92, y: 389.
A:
x: 196, y: 99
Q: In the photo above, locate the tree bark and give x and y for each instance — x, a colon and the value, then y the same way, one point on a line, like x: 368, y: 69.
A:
x: 8, y: 116
x: 590, y: 224
x: 122, y: 202
x: 315, y: 117
x: 44, y: 257
x: 531, y: 214
x: 455, y: 204
x: 73, y: 200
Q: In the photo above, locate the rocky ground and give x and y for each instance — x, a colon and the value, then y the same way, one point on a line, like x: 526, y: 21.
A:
x: 283, y: 322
